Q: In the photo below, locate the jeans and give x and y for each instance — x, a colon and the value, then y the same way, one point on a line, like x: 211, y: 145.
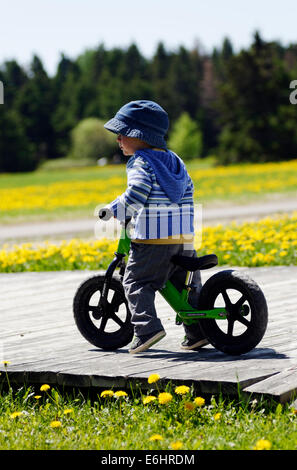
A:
x: 148, y: 269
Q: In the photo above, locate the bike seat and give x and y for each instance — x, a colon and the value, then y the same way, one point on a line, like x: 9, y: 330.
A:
x: 193, y: 264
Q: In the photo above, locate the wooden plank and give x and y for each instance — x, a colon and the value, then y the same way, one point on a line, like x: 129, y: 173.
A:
x: 41, y: 340
x: 282, y: 386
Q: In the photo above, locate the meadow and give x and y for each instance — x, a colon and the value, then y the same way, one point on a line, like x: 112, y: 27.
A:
x: 267, y: 242
x: 168, y: 418
x: 65, y: 194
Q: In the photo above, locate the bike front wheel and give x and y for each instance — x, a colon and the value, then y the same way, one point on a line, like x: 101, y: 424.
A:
x: 247, y: 313
x: 108, y: 328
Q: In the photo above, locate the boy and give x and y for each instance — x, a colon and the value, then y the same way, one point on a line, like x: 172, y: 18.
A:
x: 159, y: 197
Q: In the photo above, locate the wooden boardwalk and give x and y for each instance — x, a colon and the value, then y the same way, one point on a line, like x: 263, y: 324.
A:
x: 42, y: 344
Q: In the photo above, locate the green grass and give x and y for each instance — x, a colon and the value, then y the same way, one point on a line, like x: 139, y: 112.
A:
x: 126, y: 423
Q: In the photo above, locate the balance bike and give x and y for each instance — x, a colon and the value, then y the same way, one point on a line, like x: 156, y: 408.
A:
x: 232, y: 309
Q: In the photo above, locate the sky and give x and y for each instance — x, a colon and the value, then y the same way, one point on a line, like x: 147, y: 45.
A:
x: 49, y: 28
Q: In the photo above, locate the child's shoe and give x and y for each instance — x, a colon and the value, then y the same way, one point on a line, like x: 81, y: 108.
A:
x: 144, y: 342
x: 194, y: 344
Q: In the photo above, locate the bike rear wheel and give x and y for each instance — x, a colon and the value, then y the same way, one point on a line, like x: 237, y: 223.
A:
x: 107, y: 328
x: 247, y: 312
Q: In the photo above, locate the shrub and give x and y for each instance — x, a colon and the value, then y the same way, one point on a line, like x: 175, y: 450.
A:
x: 186, y: 138
x: 91, y: 141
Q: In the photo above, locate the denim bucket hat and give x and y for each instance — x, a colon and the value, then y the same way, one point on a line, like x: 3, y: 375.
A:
x: 143, y: 119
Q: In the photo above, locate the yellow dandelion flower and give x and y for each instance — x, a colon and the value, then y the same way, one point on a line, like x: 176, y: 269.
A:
x: 189, y: 406
x: 182, y: 390
x: 16, y: 414
x: 5, y: 363
x: 156, y: 437
x: 176, y: 445
x: 55, y: 424
x: 199, y: 401
x: 68, y: 411
x: 107, y: 393
x: 217, y: 416
x: 120, y: 393
x: 148, y: 399
x: 44, y: 387
x: 37, y: 397
x: 153, y: 378
x: 164, y: 398
x: 263, y: 444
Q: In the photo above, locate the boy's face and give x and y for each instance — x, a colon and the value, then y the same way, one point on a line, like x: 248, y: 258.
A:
x: 129, y: 145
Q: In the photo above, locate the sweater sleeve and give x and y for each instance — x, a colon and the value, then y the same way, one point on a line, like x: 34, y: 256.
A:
x: 139, y: 186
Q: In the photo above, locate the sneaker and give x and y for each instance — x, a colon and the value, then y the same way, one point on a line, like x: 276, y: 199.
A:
x: 144, y: 342
x: 193, y: 344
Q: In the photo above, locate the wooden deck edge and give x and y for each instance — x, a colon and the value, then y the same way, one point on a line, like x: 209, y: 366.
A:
x: 281, y: 386
x: 203, y: 386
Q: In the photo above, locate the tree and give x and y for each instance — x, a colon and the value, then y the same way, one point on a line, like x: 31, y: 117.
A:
x: 34, y: 103
x: 65, y: 114
x: 256, y: 116
x: 16, y: 153
x: 186, y: 138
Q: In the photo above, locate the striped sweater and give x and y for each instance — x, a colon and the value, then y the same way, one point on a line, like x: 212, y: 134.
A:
x: 156, y: 218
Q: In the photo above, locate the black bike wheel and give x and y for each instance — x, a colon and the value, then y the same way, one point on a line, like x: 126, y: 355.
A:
x: 247, y: 317
x: 109, y: 329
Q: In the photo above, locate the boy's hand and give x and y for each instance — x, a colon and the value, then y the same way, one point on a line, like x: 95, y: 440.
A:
x: 105, y: 213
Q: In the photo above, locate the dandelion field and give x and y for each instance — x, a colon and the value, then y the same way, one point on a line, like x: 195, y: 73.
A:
x: 164, y: 418
x: 268, y: 242
x: 76, y: 192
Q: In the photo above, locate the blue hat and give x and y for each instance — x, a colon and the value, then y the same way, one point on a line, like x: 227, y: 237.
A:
x: 143, y: 119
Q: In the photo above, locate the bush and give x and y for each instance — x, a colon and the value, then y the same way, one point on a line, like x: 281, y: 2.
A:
x: 91, y: 141
x: 186, y: 138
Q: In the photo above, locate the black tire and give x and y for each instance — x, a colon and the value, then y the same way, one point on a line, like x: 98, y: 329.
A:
x: 247, y: 312
x: 110, y: 329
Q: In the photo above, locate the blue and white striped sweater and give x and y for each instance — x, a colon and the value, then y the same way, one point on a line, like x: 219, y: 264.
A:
x: 154, y: 214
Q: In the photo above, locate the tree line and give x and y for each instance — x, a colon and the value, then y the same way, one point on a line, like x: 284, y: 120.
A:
x: 237, y: 101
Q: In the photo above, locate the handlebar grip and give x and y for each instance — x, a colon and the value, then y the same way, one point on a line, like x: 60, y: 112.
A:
x: 105, y: 213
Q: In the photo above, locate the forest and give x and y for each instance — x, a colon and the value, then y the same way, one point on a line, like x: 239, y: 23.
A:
x: 239, y: 106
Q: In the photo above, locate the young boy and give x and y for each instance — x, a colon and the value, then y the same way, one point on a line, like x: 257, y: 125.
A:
x: 159, y: 198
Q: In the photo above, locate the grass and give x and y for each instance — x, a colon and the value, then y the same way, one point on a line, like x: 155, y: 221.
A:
x: 75, y: 192
x: 31, y: 418
x: 268, y: 242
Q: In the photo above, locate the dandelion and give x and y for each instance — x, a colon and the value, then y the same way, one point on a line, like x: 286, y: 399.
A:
x: 189, y: 406
x: 217, y: 416
x: 68, y: 411
x: 55, y: 424
x: 164, y: 398
x: 44, y: 387
x: 16, y: 414
x: 176, y: 445
x: 5, y: 363
x: 148, y: 399
x: 199, y: 401
x: 182, y: 390
x: 120, y: 393
x: 156, y: 437
x: 153, y: 378
x: 107, y: 393
x: 263, y: 444
x: 37, y: 397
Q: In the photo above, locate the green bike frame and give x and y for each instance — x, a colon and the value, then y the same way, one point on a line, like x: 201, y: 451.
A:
x: 178, y: 301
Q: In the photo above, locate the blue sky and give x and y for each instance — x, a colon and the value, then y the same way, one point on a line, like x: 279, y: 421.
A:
x: 49, y: 27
